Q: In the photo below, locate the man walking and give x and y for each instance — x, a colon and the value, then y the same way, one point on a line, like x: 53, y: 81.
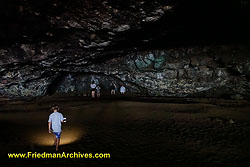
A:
x: 122, y: 89
x: 98, y: 91
x: 54, y: 124
x: 93, y: 89
x: 113, y: 88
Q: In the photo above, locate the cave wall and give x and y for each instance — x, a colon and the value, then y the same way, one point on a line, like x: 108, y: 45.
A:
x: 155, y: 48
x: 211, y: 71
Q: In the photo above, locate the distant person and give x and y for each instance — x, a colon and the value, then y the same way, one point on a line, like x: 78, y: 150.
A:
x: 54, y: 124
x: 93, y: 88
x: 98, y: 91
x: 113, y: 89
x: 122, y: 89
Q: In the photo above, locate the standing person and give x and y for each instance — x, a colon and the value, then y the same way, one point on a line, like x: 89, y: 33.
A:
x: 116, y: 88
x: 93, y: 88
x: 98, y: 91
x: 122, y: 89
x: 54, y: 124
x: 113, y: 89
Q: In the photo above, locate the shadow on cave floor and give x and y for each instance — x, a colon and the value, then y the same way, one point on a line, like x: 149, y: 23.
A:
x: 133, y: 132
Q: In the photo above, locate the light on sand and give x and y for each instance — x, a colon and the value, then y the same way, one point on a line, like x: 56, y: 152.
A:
x: 68, y: 136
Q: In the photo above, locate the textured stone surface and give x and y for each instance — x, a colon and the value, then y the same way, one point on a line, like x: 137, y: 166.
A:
x: 153, y: 47
x: 174, y: 72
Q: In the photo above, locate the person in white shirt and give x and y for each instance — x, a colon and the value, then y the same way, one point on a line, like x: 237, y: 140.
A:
x: 54, y: 124
x: 122, y: 90
x: 98, y: 91
x: 113, y: 88
x: 93, y: 88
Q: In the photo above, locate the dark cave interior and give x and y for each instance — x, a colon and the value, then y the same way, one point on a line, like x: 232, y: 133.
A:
x: 176, y: 42
x: 188, y: 22
x: 185, y: 65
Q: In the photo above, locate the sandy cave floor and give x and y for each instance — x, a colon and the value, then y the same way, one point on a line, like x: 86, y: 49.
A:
x: 184, y: 132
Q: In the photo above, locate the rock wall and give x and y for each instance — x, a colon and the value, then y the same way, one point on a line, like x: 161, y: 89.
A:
x: 155, y: 48
x: 212, y: 71
x: 192, y: 72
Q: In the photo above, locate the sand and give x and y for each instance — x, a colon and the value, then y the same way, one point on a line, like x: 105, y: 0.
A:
x: 148, y: 132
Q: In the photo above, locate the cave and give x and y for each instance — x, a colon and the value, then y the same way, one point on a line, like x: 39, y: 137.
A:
x: 185, y: 67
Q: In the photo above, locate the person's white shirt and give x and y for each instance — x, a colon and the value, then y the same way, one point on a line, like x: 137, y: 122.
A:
x: 98, y: 88
x: 93, y: 86
x: 122, y: 89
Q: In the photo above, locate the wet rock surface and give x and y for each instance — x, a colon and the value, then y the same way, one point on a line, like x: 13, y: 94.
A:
x: 154, y: 48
